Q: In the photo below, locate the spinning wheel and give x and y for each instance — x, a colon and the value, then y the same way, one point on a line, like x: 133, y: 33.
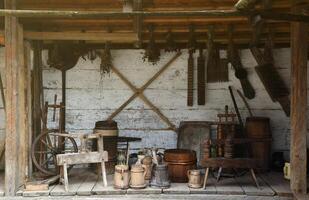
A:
x: 45, y: 148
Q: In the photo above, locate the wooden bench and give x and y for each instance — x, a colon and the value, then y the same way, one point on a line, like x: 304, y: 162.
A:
x: 65, y: 160
x: 233, y: 163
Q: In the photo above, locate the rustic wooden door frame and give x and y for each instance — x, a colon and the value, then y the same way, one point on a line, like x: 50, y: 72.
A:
x: 138, y: 92
x: 299, y: 58
x: 17, y: 104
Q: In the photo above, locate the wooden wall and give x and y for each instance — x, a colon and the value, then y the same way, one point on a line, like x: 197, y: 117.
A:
x: 90, y: 100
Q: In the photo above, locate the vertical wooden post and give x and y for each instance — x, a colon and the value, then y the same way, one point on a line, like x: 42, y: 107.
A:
x: 299, y: 49
x: 28, y: 94
x: 138, y: 22
x: 16, y: 154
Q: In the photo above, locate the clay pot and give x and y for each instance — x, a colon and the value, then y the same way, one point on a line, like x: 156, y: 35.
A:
x: 121, y: 177
x: 195, y: 179
x: 138, y: 177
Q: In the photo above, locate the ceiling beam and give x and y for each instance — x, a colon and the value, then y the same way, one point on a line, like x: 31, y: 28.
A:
x: 101, y: 14
x: 89, y: 36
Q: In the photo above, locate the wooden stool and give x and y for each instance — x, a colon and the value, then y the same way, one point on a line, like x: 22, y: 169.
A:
x: 84, y: 156
x: 81, y: 158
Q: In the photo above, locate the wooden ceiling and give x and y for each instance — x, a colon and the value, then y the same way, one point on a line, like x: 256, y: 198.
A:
x: 178, y: 25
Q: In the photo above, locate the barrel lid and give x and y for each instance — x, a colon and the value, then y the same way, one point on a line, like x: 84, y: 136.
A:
x: 106, y: 125
x: 257, y: 119
x: 179, y: 155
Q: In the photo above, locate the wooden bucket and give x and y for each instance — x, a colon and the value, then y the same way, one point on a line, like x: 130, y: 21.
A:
x: 259, y: 128
x: 137, y: 180
x: 195, y: 179
x: 121, y: 177
x: 179, y: 161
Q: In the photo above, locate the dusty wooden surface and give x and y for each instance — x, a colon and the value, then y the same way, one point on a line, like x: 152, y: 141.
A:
x: 85, y: 183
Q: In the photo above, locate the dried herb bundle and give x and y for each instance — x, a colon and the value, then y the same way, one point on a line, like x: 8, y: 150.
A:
x: 63, y: 56
x: 170, y: 42
x: 106, y: 60
x: 152, y: 53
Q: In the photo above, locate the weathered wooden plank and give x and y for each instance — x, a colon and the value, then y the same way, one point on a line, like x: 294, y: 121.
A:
x: 38, y: 193
x: 1, y: 184
x: 299, y: 31
x: 277, y: 183
x: 89, y: 36
x: 81, y: 158
x: 86, y: 187
x: 228, y: 186
x: 14, y: 174
x: 99, y: 188
x: 247, y: 184
x: 177, y: 188
x: 210, y: 187
x: 77, y: 177
x: 23, y: 109
x: 147, y: 191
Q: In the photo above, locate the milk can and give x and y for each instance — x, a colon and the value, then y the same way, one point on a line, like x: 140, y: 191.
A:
x: 138, y: 177
x: 121, y: 177
x: 160, y: 176
x: 195, y: 180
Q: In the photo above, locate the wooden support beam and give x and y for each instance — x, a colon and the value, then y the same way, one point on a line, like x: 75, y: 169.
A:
x: 138, y: 22
x: 117, y: 14
x: 16, y: 152
x: 111, y: 37
x: 299, y: 32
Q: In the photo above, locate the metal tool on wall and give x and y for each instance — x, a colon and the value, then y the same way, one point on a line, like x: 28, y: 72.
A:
x: 240, y: 72
x: 201, y: 79
x: 236, y: 108
x: 245, y: 102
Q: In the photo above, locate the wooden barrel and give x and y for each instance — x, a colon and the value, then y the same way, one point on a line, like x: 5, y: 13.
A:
x: 179, y: 161
x: 259, y: 128
x: 110, y: 131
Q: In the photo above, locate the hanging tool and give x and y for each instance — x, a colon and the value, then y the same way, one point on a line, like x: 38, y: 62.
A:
x: 2, y: 92
x: 201, y: 82
x: 54, y: 113
x: 217, y: 70
x: 190, y: 78
x: 266, y: 71
x: 245, y: 102
x: 236, y: 108
x: 240, y: 72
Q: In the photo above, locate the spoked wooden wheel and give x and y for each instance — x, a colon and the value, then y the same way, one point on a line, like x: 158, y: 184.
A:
x: 45, y: 148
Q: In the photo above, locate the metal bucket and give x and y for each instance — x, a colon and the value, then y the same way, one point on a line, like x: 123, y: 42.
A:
x: 160, y: 176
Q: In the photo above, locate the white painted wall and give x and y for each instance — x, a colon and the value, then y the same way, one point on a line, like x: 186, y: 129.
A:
x: 89, y: 100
